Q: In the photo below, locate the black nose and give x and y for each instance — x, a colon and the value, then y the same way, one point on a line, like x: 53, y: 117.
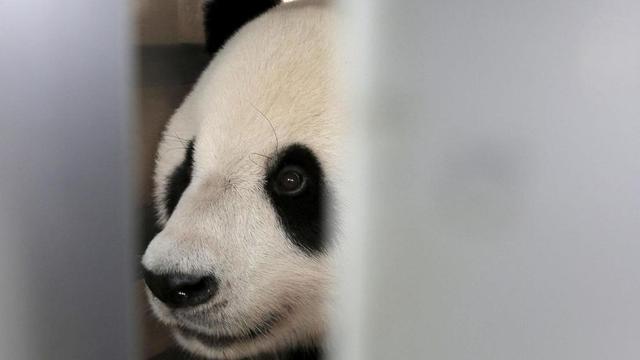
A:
x: 181, y: 290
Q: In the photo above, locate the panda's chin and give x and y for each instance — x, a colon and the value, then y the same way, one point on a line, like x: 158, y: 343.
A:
x: 262, y: 329
x: 269, y: 336
x: 204, y: 334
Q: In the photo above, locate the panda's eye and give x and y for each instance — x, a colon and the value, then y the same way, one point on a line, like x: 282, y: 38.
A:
x: 291, y: 180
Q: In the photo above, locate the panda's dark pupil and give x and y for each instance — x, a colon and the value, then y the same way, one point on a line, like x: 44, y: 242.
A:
x: 290, y: 180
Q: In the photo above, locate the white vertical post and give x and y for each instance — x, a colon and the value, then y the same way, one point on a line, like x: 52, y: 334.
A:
x: 496, y: 188
x: 66, y: 264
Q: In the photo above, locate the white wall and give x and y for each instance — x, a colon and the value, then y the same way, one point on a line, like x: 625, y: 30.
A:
x: 66, y: 263
x: 497, y: 181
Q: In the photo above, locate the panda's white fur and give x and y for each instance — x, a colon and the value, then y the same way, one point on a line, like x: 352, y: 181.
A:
x: 273, y: 84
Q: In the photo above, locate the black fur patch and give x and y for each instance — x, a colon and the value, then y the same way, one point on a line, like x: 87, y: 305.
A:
x: 302, y: 214
x: 222, y: 18
x: 179, y: 180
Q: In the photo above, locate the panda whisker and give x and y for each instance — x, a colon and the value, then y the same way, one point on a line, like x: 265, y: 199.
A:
x: 171, y: 136
x: 184, y: 141
x: 273, y: 129
x: 264, y: 156
x: 175, y: 149
x: 253, y: 161
x: 260, y: 166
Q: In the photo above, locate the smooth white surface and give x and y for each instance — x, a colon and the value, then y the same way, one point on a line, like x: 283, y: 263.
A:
x: 66, y: 264
x: 497, y: 181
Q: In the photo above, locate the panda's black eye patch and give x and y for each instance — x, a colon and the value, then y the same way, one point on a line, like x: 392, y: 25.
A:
x: 296, y: 187
x: 179, y: 180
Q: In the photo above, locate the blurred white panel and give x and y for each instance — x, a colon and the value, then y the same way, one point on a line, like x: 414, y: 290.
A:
x: 66, y: 264
x: 497, y: 181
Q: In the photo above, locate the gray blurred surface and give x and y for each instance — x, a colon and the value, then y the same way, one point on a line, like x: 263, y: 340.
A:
x: 66, y: 264
x: 497, y: 181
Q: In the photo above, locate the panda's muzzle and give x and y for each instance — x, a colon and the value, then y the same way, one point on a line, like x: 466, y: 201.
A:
x: 178, y: 290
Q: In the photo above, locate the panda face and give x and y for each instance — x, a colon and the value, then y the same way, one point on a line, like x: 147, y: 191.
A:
x: 244, y: 188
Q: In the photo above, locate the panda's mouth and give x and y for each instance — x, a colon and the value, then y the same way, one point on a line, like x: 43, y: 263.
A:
x: 217, y: 341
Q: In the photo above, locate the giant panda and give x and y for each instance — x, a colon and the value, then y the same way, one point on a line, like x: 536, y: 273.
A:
x: 245, y: 186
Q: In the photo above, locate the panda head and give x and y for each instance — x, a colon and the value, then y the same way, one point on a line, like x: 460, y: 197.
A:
x: 244, y: 180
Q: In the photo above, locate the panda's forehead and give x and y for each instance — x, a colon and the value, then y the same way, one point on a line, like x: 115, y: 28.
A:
x: 245, y: 157
x: 255, y: 137
x: 262, y: 93
x: 272, y: 85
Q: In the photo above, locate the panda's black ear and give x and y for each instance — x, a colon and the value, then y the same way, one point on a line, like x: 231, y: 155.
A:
x: 222, y: 18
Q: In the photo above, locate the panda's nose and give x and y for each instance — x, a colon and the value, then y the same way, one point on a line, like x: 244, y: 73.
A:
x: 181, y: 290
